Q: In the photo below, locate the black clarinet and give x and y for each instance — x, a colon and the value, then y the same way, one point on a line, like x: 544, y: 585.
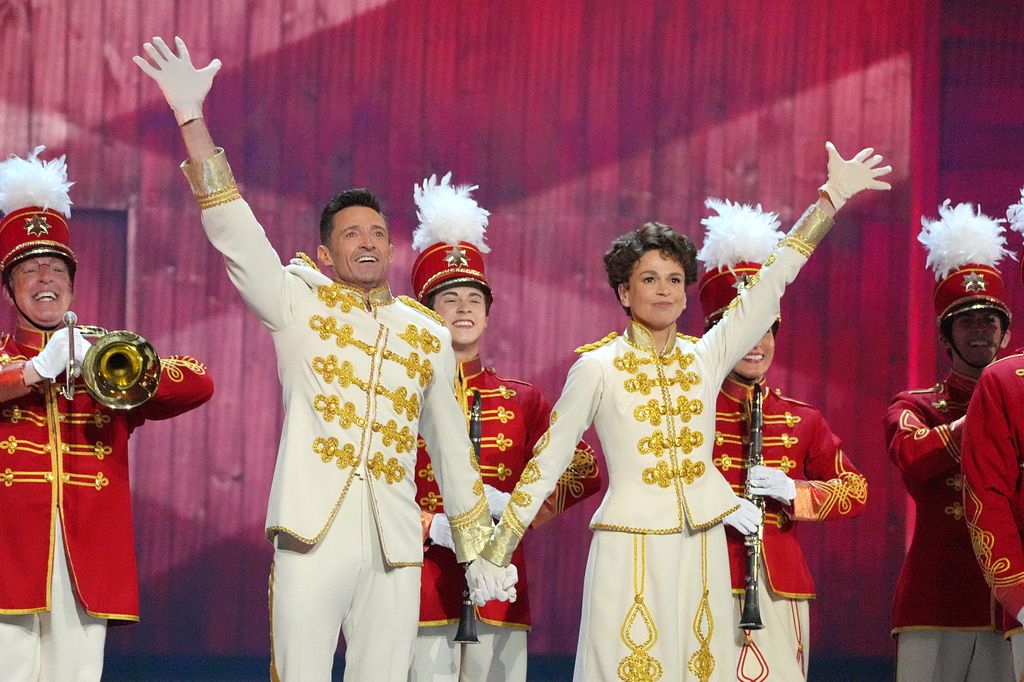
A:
x: 466, y: 633
x: 751, y: 617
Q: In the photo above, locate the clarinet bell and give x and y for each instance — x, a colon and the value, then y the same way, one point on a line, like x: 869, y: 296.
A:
x: 466, y: 633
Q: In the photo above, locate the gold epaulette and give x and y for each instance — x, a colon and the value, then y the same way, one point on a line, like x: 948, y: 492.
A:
x: 597, y: 344
x: 937, y: 388
x: 308, y: 261
x: 687, y: 337
x: 413, y: 303
x: 778, y: 394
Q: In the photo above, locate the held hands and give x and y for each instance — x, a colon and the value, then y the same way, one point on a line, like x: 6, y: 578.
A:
x: 746, y: 519
x: 847, y: 178
x: 496, y: 501
x: 487, y: 581
x: 440, y: 532
x: 184, y: 86
x: 52, y: 361
x: 774, y: 483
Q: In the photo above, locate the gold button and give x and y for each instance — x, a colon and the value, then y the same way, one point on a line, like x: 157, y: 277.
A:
x: 64, y: 447
x: 48, y: 476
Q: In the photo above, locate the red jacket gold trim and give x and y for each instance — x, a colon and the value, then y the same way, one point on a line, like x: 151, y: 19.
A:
x: 515, y: 415
x: 797, y: 440
x: 73, y: 458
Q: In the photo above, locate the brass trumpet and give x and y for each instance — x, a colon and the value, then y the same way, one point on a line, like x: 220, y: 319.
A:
x: 121, y: 369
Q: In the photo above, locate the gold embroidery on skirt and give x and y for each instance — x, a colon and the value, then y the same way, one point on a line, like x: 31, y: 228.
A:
x: 701, y: 662
x: 639, y: 666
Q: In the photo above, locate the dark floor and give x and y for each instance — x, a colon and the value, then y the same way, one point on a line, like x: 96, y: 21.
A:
x: 542, y: 669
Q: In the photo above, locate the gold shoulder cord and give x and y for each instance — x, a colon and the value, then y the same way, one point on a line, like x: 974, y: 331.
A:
x: 413, y: 303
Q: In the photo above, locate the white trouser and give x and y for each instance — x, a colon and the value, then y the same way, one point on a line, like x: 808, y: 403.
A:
x: 952, y: 656
x: 62, y: 645
x: 780, y: 650
x: 342, y: 583
x: 1017, y: 646
x: 499, y: 657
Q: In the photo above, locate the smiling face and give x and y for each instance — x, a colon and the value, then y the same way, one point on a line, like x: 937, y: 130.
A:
x: 976, y: 335
x: 464, y: 309
x: 755, y: 364
x: 358, y: 250
x: 41, y: 288
x: 655, y: 293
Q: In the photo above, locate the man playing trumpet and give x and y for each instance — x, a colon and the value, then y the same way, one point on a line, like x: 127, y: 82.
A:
x: 67, y: 560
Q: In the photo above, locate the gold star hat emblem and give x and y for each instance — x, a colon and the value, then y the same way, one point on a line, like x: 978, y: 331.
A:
x: 36, y: 226
x: 974, y: 282
x: 456, y: 258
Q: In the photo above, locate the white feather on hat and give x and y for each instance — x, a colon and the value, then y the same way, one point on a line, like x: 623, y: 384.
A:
x: 33, y: 182
x: 448, y: 214
x: 740, y: 233
x: 1015, y: 213
x: 961, y: 235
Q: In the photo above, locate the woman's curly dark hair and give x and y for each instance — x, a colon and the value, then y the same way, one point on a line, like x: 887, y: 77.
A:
x: 628, y: 248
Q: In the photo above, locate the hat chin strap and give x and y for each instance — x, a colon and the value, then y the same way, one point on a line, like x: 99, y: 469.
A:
x: 35, y: 324
x: 952, y: 345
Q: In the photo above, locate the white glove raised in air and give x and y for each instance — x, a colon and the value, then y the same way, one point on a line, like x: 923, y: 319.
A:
x: 184, y: 86
x: 746, y: 519
x: 496, y: 500
x: 487, y: 581
x: 440, y: 532
x: 52, y: 361
x: 846, y: 178
x: 774, y: 483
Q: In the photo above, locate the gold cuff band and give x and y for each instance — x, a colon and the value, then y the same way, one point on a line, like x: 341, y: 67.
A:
x: 502, y: 544
x: 471, y: 531
x: 211, y: 180
x: 808, y: 232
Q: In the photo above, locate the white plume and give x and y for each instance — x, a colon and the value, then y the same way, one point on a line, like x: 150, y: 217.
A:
x: 33, y: 182
x: 961, y: 235
x: 739, y: 233
x: 1015, y: 214
x: 448, y: 214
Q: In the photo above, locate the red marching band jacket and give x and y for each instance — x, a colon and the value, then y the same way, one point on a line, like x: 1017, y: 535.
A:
x: 514, y: 416
x: 797, y: 440
x: 993, y: 461
x: 72, y: 459
x: 940, y: 585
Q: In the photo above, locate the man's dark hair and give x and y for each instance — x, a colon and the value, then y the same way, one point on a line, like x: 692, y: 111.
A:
x: 628, y: 248
x: 359, y: 196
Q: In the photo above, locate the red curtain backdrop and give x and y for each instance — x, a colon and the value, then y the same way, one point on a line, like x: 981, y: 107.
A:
x: 579, y: 120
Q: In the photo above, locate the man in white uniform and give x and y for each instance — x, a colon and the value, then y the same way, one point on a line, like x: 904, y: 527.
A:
x: 361, y: 373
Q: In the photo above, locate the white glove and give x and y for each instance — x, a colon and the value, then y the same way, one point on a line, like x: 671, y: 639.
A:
x: 184, y: 86
x: 768, y: 482
x: 1020, y: 616
x: 440, y: 532
x: 846, y: 178
x: 52, y: 361
x: 496, y: 501
x: 311, y: 276
x: 745, y: 519
x: 489, y: 581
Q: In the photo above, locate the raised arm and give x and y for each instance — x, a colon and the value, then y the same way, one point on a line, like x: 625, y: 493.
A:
x: 756, y: 306
x: 252, y: 263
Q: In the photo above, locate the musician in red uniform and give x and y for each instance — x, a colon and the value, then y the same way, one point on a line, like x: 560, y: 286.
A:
x: 946, y: 624
x: 449, y: 277
x: 805, y: 475
x: 993, y: 452
x: 67, y: 559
